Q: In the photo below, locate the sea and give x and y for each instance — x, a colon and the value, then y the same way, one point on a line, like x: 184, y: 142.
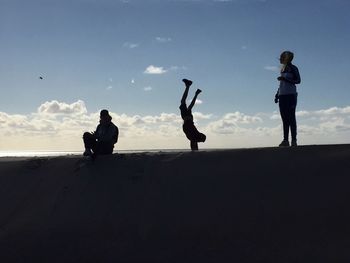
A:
x: 77, y: 153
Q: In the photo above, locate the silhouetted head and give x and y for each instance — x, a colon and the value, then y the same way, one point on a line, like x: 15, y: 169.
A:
x: 286, y: 57
x: 105, y: 117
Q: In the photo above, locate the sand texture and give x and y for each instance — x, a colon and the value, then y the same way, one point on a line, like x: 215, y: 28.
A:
x: 247, y: 205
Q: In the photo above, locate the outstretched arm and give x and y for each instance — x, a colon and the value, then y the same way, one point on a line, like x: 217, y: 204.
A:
x: 194, y: 99
x: 295, y: 79
x: 277, y: 96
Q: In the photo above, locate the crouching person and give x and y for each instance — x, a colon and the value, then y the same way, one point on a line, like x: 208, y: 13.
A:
x: 103, y: 139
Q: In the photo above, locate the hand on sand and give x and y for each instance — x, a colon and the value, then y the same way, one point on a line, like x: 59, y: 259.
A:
x: 187, y: 82
x: 198, y: 91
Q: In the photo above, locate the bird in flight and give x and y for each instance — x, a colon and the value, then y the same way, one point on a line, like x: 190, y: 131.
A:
x: 41, y: 78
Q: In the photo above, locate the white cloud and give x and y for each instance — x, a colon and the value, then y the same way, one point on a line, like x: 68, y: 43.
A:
x: 275, y: 116
x: 163, y: 118
x: 132, y: 81
x: 154, y: 70
x: 198, y: 101
x: 147, y: 88
x: 302, y: 113
x: 59, y: 126
x: 200, y: 116
x: 240, y: 118
x: 230, y: 122
x: 333, y: 111
x: 151, y: 69
x: 109, y: 88
x: 55, y: 107
x: 131, y: 45
x: 320, y: 114
x: 163, y: 39
x: 272, y: 68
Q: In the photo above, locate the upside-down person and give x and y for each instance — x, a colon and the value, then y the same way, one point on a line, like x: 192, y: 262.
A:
x: 186, y: 113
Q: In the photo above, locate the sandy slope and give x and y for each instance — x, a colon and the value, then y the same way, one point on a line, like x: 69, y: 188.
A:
x: 254, y: 205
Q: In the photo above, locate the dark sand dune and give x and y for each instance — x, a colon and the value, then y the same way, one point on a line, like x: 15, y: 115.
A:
x: 253, y: 205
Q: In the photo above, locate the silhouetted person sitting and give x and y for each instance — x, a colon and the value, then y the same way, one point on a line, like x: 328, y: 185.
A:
x: 186, y: 113
x: 103, y: 139
x: 287, y: 97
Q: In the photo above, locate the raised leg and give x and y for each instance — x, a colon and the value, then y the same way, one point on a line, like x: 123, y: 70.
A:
x: 194, y: 99
x: 188, y: 84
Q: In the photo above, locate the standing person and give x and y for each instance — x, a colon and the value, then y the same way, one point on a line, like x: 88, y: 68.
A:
x: 103, y: 139
x: 186, y: 113
x: 287, y: 97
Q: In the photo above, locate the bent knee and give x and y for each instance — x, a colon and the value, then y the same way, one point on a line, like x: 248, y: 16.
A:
x: 87, y: 135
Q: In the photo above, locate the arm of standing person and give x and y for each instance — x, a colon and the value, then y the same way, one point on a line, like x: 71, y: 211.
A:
x: 277, y: 96
x: 295, y: 79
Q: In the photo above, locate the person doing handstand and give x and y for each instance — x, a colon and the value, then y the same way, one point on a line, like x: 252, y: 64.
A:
x: 186, y: 113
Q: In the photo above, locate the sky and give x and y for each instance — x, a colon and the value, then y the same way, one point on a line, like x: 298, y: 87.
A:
x: 129, y: 57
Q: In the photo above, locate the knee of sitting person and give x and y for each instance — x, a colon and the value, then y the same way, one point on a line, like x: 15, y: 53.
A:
x: 86, y: 135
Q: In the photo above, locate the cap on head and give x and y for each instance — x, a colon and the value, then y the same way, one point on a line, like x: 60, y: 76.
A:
x: 104, y: 113
x: 287, y: 56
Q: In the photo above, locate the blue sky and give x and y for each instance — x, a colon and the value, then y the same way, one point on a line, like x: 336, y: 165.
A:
x: 98, y: 52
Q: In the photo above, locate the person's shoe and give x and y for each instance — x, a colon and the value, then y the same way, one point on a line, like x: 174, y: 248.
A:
x: 187, y: 82
x: 284, y: 143
x: 87, y: 152
x: 294, y: 143
x: 198, y: 91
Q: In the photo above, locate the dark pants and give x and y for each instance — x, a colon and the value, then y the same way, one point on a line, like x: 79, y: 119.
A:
x: 287, y: 104
x: 91, y: 143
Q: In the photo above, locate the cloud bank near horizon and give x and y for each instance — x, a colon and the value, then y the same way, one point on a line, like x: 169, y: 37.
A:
x: 59, y: 126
